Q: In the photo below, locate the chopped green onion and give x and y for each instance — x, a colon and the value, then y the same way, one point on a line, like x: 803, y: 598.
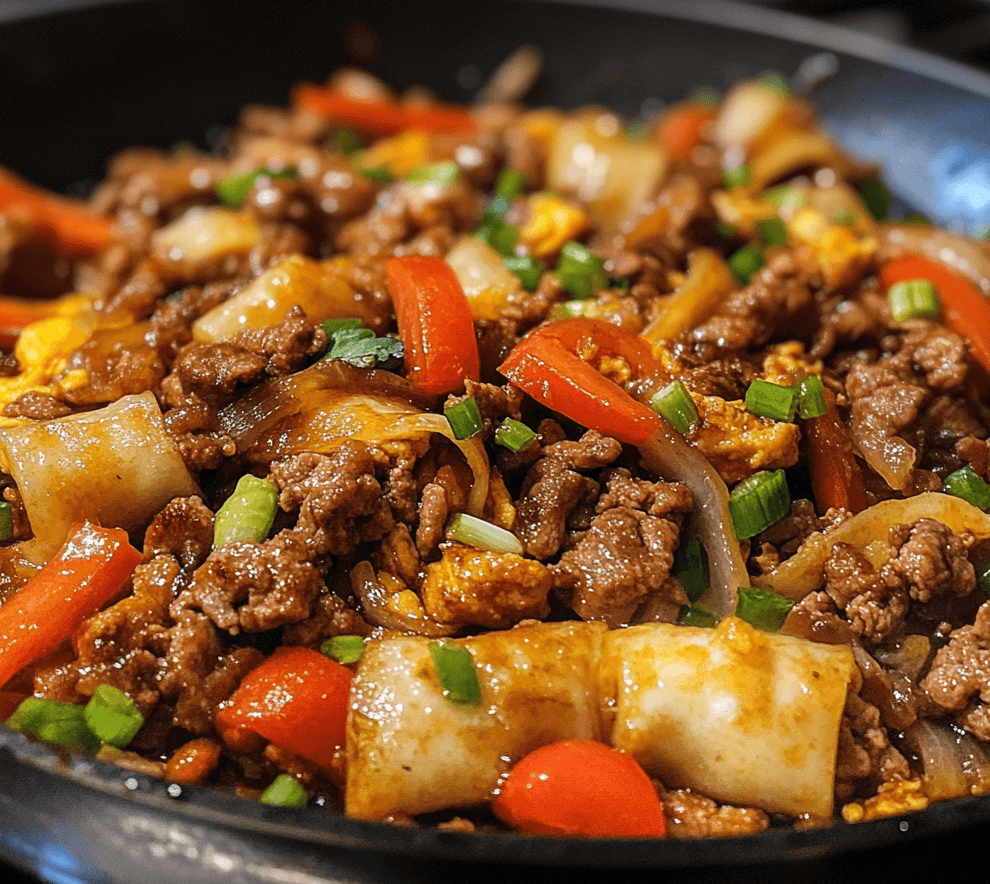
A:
x: 348, y: 141
x: 772, y: 231
x: 745, y: 262
x: 694, y: 616
x: 510, y: 183
x: 464, y: 418
x: 580, y: 271
x: 811, y: 397
x: 785, y: 197
x: 983, y: 576
x: 285, y: 791
x: 6, y: 521
x: 63, y: 724
x: 843, y: 216
x: 233, y: 190
x: 726, y: 229
x: 112, y: 716
x: 440, y: 174
x: 706, y: 96
x: 343, y: 648
x: 762, y: 608
x: 248, y: 514
x: 527, y: 269
x: 675, y: 405
x: 876, y: 198
x: 497, y: 209
x: 738, y: 176
x: 500, y: 236
x: 513, y: 435
x: 381, y: 174
x: 619, y: 284
x: 359, y: 347
x: 965, y: 483
x: 480, y: 534
x: 913, y: 299
x: 691, y: 568
x: 775, y: 83
x: 332, y: 326
x: 455, y: 670
x: 570, y: 309
x: 758, y: 502
x: 775, y: 401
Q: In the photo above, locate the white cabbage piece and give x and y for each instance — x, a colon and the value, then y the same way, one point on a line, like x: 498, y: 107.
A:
x: 410, y: 751
x: 116, y: 466
x: 742, y: 716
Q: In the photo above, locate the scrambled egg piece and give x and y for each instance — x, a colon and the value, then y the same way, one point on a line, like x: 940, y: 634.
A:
x: 43, y: 349
x: 892, y: 799
x: 841, y: 255
x: 402, y: 153
x: 552, y: 222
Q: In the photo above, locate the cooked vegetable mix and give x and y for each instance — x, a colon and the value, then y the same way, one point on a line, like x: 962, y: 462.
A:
x: 495, y: 467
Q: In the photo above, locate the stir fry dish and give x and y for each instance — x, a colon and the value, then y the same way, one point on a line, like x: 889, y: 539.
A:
x: 501, y: 468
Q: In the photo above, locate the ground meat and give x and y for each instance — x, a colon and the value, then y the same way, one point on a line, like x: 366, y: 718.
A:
x: 961, y: 669
x: 690, y: 815
x: 865, y: 756
x: 875, y: 602
x: 214, y: 372
x: 288, y: 345
x: 198, y: 700
x: 817, y: 618
x: 932, y: 560
x: 433, y: 511
x: 183, y: 530
x: 36, y: 406
x: 170, y: 326
x: 553, y: 490
x: 494, y: 403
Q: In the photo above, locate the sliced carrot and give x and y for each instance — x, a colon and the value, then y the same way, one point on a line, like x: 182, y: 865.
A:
x: 836, y: 478
x: 682, y: 128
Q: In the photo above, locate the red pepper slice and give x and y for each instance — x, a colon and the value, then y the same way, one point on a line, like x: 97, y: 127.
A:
x: 87, y: 572
x: 546, y: 365
x: 78, y: 230
x: 435, y: 323
x: 681, y: 129
x: 379, y: 118
x: 964, y: 308
x: 836, y: 478
x: 297, y: 699
x: 580, y: 787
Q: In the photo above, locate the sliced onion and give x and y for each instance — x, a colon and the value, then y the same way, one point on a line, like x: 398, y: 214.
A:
x: 375, y: 602
x: 804, y: 572
x: 955, y: 252
x: 206, y: 234
x: 794, y: 150
x: 953, y: 763
x: 486, y: 280
x: 666, y: 454
x: 748, y: 110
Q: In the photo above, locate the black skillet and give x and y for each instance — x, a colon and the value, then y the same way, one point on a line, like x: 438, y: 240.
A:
x: 81, y: 80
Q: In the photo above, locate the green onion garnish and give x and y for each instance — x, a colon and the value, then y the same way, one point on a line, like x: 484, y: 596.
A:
x: 983, y: 576
x: 876, y: 198
x: 6, y: 521
x: 580, y: 271
x: 691, y: 568
x: 464, y: 418
x: 248, y: 514
x: 480, y: 534
x: 500, y: 236
x: 496, y: 209
x: 726, y: 229
x: 439, y: 174
x: 359, y: 347
x: 762, y: 608
x: 513, y: 435
x: 527, y: 269
x: 965, y: 483
x: 675, y: 405
x: 775, y: 83
x: 745, y: 262
x: 758, y: 502
x: 112, y: 716
x: 736, y: 177
x: 843, y: 216
x: 811, y: 397
x: 570, y: 309
x: 233, y: 190
x: 772, y: 231
x: 455, y: 669
x: 379, y: 174
x: 775, y: 401
x: 692, y: 615
x: 285, y: 791
x: 785, y: 197
x: 510, y: 183
x: 348, y: 141
x: 63, y: 724
x: 343, y: 648
x: 913, y: 299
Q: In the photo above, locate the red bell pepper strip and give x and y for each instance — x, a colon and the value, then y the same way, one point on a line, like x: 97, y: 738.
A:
x: 836, y: 478
x: 681, y: 129
x: 87, y: 572
x: 78, y: 231
x: 964, y: 308
x: 297, y: 699
x: 546, y: 365
x: 16, y: 315
x: 435, y: 323
x: 580, y: 787
x: 380, y: 118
